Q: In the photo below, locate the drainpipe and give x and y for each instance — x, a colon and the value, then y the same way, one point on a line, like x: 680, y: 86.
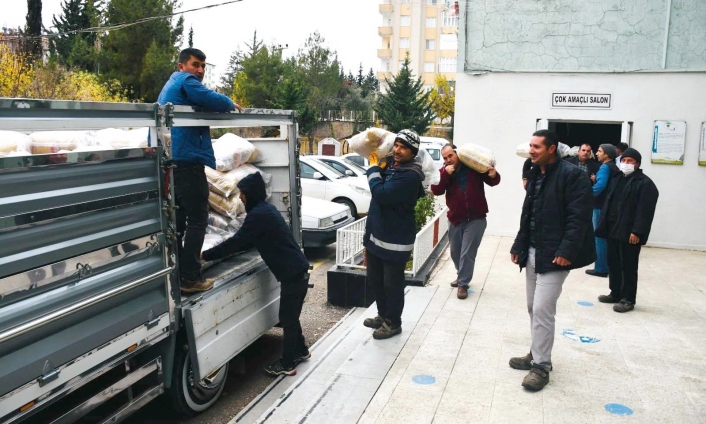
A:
x: 666, y: 34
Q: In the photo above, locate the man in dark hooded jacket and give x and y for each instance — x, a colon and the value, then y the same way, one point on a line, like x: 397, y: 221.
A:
x: 265, y: 229
x: 395, y: 186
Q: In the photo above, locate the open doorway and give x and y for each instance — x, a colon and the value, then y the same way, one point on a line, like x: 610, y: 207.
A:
x: 576, y: 133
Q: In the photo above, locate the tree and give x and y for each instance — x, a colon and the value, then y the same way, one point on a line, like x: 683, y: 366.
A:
x: 191, y: 36
x: 263, y: 73
x: 443, y: 98
x: 72, y: 49
x: 406, y: 104
x: 15, y: 72
x: 141, y: 56
x: 235, y: 64
x: 371, y: 84
x: 33, y: 30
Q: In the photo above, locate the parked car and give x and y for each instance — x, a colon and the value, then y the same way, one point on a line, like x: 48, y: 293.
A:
x: 324, y: 182
x: 340, y: 164
x: 321, y: 220
x: 357, y: 159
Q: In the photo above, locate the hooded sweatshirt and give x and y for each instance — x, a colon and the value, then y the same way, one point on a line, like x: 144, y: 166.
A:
x: 264, y: 229
x: 391, y: 227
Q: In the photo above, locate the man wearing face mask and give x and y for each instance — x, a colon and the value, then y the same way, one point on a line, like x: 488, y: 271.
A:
x: 626, y: 220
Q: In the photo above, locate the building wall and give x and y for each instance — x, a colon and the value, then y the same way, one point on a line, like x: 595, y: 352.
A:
x: 500, y: 111
x: 596, y: 35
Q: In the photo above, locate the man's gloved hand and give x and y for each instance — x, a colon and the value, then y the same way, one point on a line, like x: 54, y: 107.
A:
x: 375, y: 161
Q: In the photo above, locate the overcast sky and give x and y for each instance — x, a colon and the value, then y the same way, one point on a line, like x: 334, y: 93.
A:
x: 349, y: 27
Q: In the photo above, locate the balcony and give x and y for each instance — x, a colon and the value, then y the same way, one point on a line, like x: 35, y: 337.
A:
x: 382, y: 53
x: 385, y: 31
x: 386, y: 8
x: 382, y: 75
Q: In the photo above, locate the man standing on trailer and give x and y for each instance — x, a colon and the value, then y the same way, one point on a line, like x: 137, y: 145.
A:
x: 191, y: 151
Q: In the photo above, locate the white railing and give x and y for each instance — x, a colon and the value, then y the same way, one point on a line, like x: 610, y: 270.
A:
x: 349, y: 243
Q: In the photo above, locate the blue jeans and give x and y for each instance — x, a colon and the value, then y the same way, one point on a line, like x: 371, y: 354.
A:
x: 601, y: 246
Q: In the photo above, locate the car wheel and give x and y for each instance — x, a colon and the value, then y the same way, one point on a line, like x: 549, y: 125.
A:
x: 351, y: 206
x: 190, y: 397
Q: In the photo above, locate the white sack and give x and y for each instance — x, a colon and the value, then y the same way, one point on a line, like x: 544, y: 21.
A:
x: 232, y: 151
x: 373, y: 140
x: 478, y: 158
x: 11, y: 141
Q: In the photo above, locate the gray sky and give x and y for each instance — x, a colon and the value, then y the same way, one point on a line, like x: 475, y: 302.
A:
x: 349, y: 27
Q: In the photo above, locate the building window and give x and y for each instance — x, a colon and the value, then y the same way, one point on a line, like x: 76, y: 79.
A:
x: 431, y: 2
x: 385, y: 65
x: 405, y: 20
x: 404, y: 43
x: 401, y: 64
x: 448, y: 42
x: 449, y: 20
x: 428, y: 66
x: 431, y: 44
x: 447, y: 64
x: 431, y: 22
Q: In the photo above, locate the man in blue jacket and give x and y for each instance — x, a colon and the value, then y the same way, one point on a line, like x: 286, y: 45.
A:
x: 191, y: 151
x: 265, y: 229
x: 395, y: 186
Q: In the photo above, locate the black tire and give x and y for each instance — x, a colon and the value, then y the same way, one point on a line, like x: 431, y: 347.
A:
x: 190, y: 398
x: 351, y: 206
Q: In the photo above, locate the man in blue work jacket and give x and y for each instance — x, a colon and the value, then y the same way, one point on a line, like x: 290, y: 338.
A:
x: 191, y: 151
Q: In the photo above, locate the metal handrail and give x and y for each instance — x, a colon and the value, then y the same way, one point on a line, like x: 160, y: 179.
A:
x: 49, y: 318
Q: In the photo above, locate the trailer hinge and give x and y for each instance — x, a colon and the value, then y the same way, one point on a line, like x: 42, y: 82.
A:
x: 151, y: 320
x: 49, y: 374
x: 83, y: 270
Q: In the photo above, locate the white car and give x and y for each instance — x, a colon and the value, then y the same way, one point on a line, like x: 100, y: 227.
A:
x: 357, y: 159
x: 341, y: 164
x: 323, y: 182
x: 321, y: 220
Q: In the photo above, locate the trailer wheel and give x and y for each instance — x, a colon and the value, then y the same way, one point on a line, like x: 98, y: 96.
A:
x: 190, y: 397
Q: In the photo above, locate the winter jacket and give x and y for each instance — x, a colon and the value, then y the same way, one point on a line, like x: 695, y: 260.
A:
x: 391, y: 228
x: 606, y: 173
x: 636, y: 207
x: 562, y: 219
x: 592, y: 165
x: 264, y: 229
x: 465, y: 197
x: 193, y: 144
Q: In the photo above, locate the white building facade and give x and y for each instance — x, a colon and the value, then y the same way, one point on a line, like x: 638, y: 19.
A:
x: 598, y: 72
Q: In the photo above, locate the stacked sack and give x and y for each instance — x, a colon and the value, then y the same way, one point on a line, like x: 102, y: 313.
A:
x: 234, y: 156
x: 50, y: 142
x: 478, y: 158
x: 14, y: 144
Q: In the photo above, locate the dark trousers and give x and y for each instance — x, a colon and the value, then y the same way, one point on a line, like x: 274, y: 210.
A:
x: 623, y: 259
x: 191, y: 197
x: 291, y: 301
x: 387, y: 280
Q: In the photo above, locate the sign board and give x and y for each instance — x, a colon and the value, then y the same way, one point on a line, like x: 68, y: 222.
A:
x: 668, y: 142
x: 702, y: 149
x: 582, y: 100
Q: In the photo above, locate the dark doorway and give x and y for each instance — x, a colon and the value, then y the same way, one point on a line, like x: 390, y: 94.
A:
x: 576, y: 133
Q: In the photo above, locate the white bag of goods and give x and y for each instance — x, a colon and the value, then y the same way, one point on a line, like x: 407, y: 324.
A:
x: 217, y: 220
x: 211, y: 240
x: 563, y: 150
x: 227, y: 206
x: 235, y: 224
x: 226, y: 234
x: 478, y: 158
x: 431, y: 174
x: 373, y: 140
x: 47, y: 142
x: 226, y: 183
x: 122, y: 139
x: 12, y: 141
x: 574, y: 151
x: 523, y: 150
x: 232, y: 151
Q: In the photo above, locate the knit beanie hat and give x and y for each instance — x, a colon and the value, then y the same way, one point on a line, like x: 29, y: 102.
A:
x: 410, y: 139
x: 609, y: 150
x: 632, y: 153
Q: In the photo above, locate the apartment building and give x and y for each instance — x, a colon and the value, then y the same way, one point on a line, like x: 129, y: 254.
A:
x: 426, y: 30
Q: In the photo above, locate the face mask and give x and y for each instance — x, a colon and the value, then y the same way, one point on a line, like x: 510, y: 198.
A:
x: 627, y: 168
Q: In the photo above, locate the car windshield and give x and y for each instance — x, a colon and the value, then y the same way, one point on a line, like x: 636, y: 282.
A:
x: 330, y: 168
x: 434, y: 153
x: 352, y: 164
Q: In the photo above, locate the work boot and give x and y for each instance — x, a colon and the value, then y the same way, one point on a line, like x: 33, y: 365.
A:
x: 624, y: 306
x: 596, y: 274
x: 522, y: 362
x: 194, y: 286
x: 536, y: 379
x: 454, y: 283
x: 608, y: 299
x: 374, y: 322
x: 387, y: 330
x: 462, y: 292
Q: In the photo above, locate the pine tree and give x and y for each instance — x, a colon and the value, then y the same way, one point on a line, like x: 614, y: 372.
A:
x: 33, y: 29
x: 372, y: 85
x: 360, y: 79
x: 191, y: 37
x: 406, y: 104
x: 71, y: 49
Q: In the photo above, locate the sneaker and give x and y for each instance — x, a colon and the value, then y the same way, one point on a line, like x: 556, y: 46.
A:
x: 304, y: 356
x: 276, y: 368
x: 522, y: 362
x: 608, y: 299
x: 596, y: 274
x: 386, y: 331
x: 374, y: 322
x: 624, y: 306
x: 462, y: 292
x: 454, y: 283
x: 193, y: 286
x: 536, y: 379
